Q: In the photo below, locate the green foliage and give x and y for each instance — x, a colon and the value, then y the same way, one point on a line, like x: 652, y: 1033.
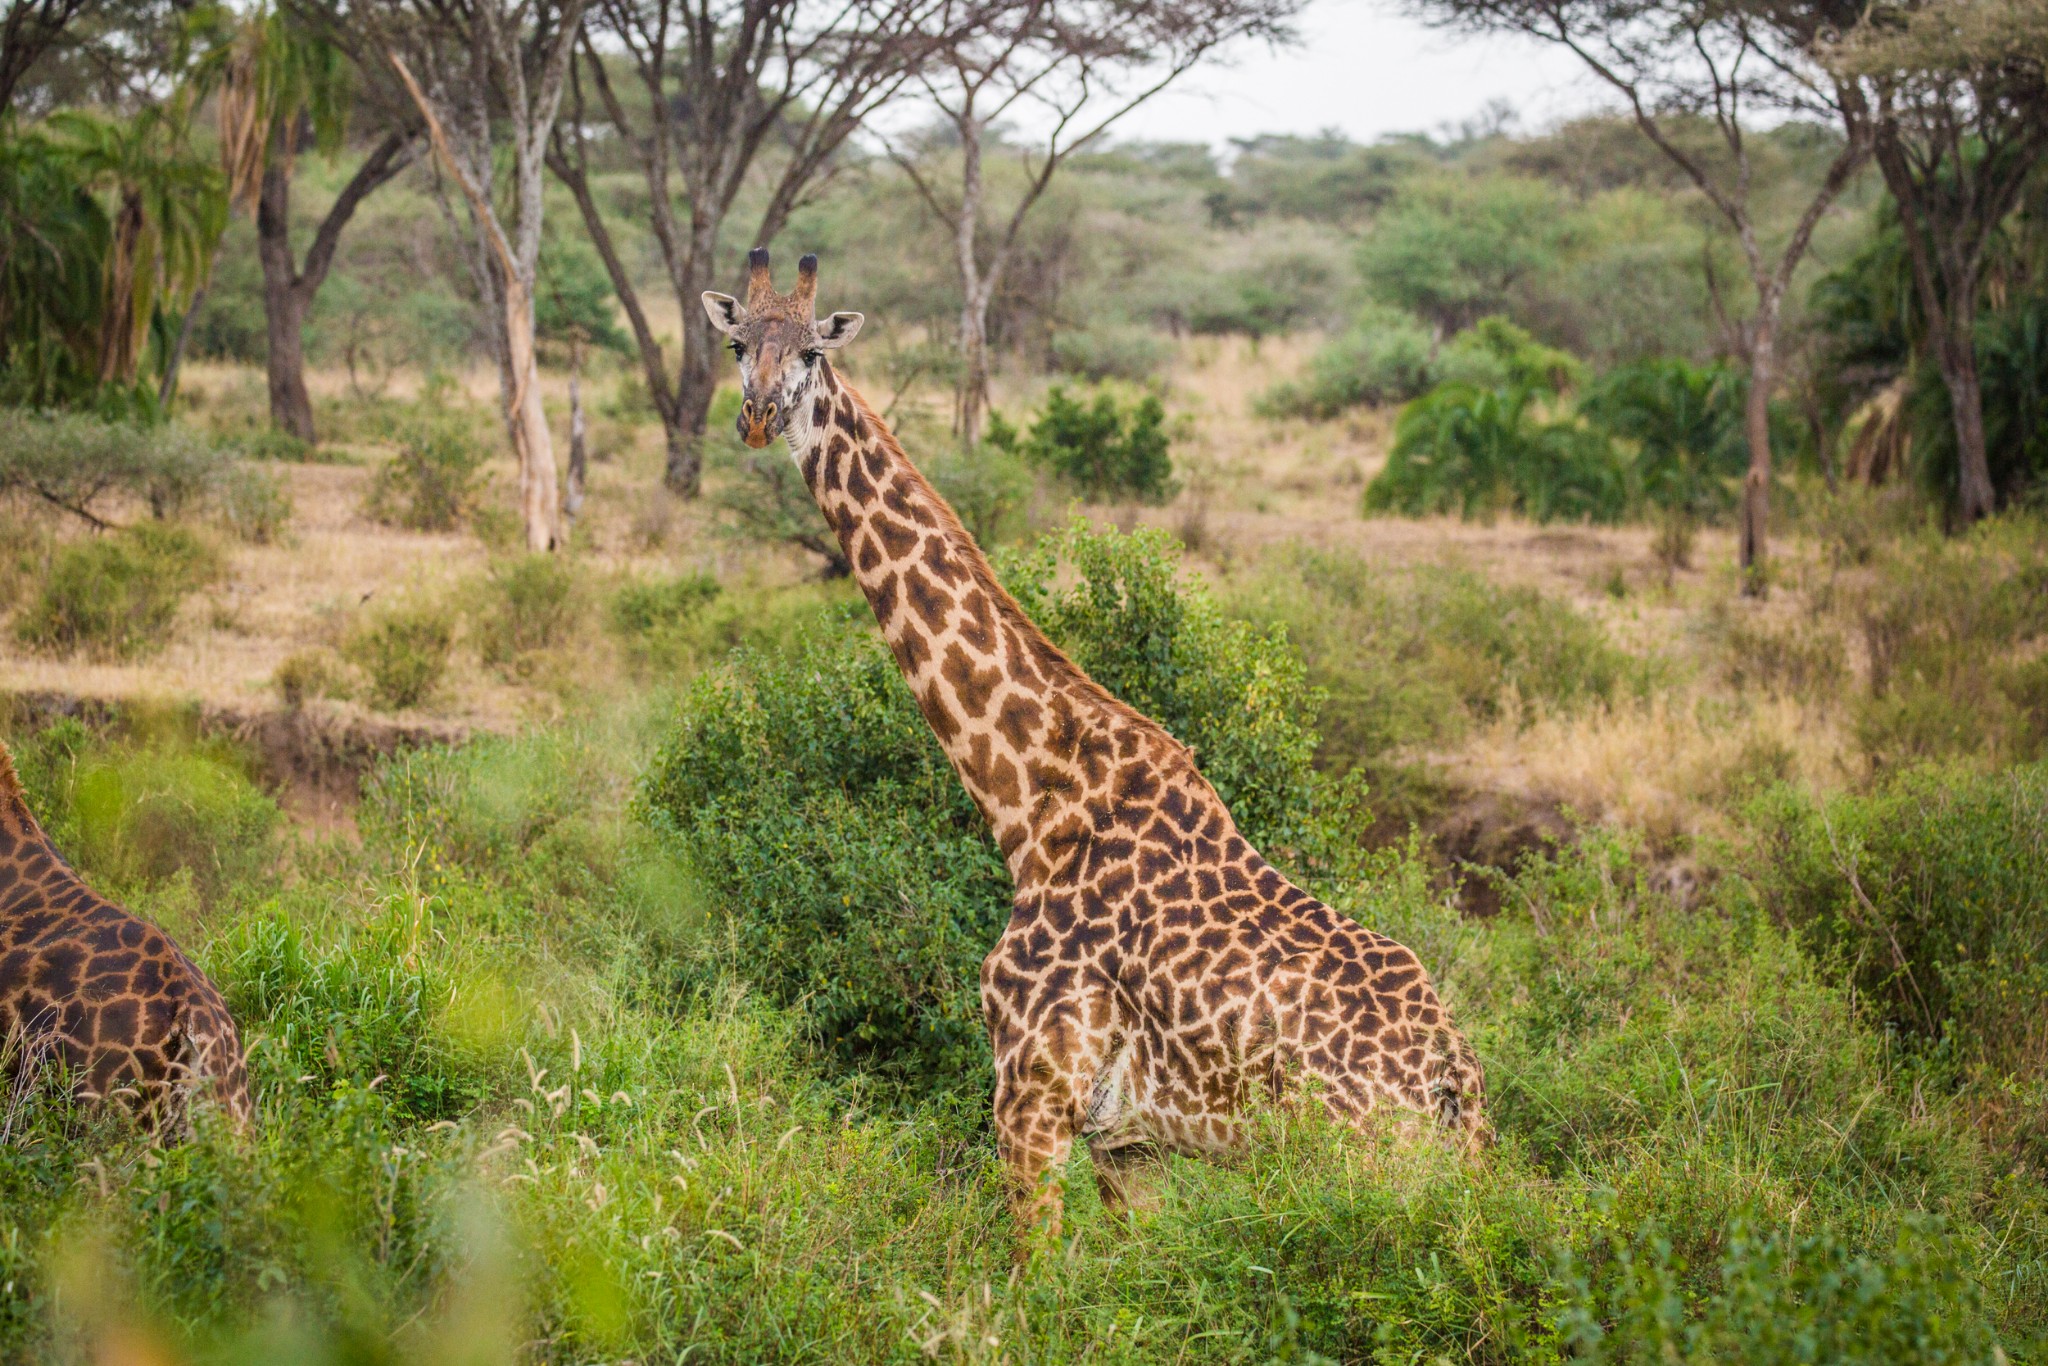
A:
x: 572, y: 298
x: 1930, y: 893
x: 859, y: 882
x: 1686, y: 423
x: 115, y: 596
x: 524, y: 608
x: 1478, y: 452
x: 640, y: 609
x: 990, y: 487
x: 1102, y: 352
x: 54, y: 236
x: 403, y: 653
x: 1384, y: 357
x: 1105, y: 448
x: 430, y: 484
x: 1455, y: 249
x: 1950, y: 627
x: 83, y: 464
x: 254, y: 505
x: 142, y: 812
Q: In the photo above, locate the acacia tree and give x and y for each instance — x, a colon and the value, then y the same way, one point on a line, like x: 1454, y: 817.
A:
x: 714, y: 85
x: 286, y: 88
x: 489, y: 69
x: 1729, y: 62
x: 1960, y: 92
x: 1076, y: 66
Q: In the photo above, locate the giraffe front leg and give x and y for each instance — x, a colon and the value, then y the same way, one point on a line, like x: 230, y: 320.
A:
x: 1034, y: 1124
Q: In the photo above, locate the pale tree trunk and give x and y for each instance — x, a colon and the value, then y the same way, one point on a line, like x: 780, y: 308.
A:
x: 1756, y: 482
x: 539, y: 498
x: 579, y: 456
x: 512, y: 267
x: 975, y: 289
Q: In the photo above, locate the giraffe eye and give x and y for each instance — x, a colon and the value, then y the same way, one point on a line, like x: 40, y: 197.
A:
x: 739, y: 352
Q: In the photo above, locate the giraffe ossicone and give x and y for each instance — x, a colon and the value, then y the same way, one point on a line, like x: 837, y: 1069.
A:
x: 1157, y: 975
x: 100, y: 995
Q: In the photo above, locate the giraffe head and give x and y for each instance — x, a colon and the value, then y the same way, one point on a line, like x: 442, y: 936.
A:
x: 778, y: 342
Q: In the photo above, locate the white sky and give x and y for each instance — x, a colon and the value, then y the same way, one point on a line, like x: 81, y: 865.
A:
x: 1365, y: 69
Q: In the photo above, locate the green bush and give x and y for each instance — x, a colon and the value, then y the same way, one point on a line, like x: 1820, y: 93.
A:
x: 641, y: 609
x: 1384, y: 357
x: 431, y: 482
x: 1932, y: 893
x: 1105, y: 448
x: 1478, y: 452
x: 115, y: 596
x: 524, y: 607
x: 254, y: 505
x: 990, y: 487
x: 404, y: 654
x: 81, y: 463
x: 1686, y: 423
x: 1110, y: 352
x: 858, y: 882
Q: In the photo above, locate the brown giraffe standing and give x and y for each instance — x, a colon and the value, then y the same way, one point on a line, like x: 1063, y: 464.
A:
x: 1156, y: 973
x: 108, y: 997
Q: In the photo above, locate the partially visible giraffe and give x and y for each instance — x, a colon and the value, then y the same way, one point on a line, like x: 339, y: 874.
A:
x: 1157, y: 974
x: 108, y: 997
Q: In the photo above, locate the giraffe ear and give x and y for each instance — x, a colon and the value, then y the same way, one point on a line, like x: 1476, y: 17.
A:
x: 725, y: 312
x: 837, y: 330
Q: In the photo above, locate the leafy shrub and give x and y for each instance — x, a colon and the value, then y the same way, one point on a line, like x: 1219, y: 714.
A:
x: 404, y: 654
x: 1686, y: 423
x: 1385, y: 356
x: 1932, y: 893
x: 115, y: 596
x: 1478, y: 452
x: 254, y: 505
x: 1494, y: 353
x: 1105, y: 448
x: 1948, y: 625
x: 308, y: 674
x: 79, y: 463
x: 990, y: 486
x: 524, y: 607
x: 858, y: 882
x: 1109, y: 351
x: 432, y: 480
x: 640, y: 609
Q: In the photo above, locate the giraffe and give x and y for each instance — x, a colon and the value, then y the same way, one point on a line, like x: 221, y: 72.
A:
x: 1156, y: 974
x: 100, y: 992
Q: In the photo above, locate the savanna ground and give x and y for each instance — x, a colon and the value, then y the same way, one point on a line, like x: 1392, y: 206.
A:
x: 636, y: 1023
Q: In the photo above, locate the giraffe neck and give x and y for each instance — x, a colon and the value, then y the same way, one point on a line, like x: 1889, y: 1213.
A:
x: 16, y: 820
x: 1027, y: 731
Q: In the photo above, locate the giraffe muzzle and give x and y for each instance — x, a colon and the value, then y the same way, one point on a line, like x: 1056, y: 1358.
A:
x: 757, y: 425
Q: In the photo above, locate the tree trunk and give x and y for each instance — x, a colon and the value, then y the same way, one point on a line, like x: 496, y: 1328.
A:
x: 579, y: 455
x: 1955, y: 355
x: 284, y: 309
x: 167, y: 388
x: 1756, y: 483
x: 539, y: 498
x: 683, y: 428
x: 118, y: 323
x: 974, y: 290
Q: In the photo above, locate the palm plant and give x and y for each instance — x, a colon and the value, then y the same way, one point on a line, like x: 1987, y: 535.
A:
x: 54, y: 235
x: 168, y: 212
x: 1685, y: 422
x: 1478, y: 451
